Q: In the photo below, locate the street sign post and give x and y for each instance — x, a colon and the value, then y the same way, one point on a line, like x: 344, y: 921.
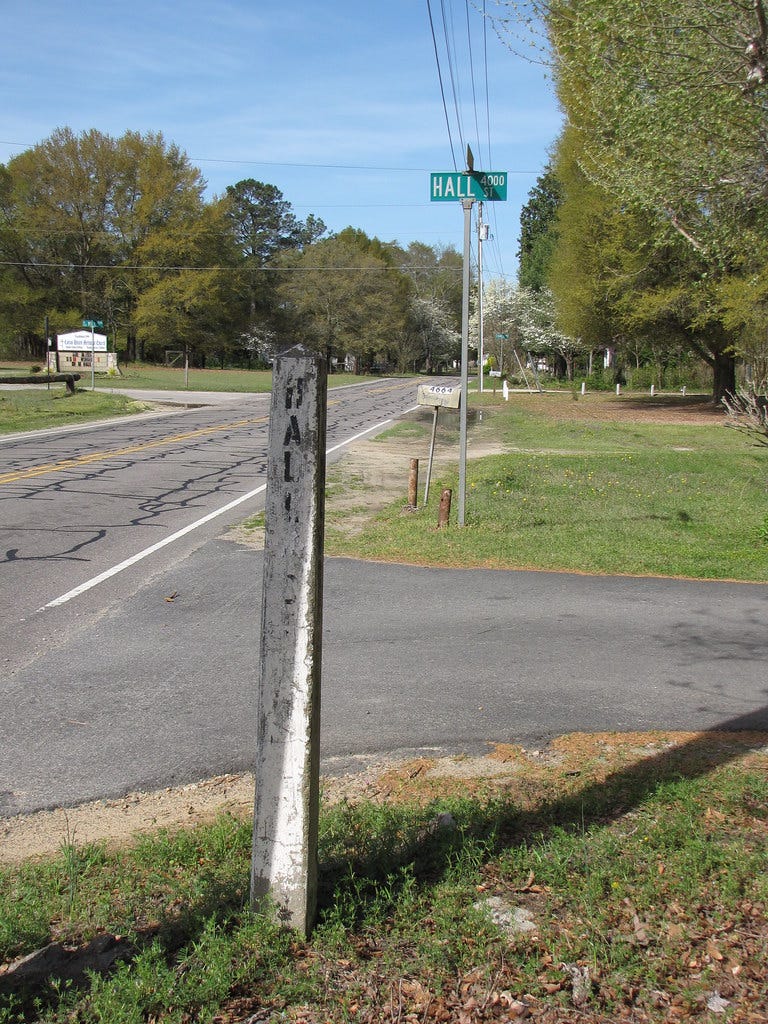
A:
x: 468, y: 187
x: 93, y: 324
x: 483, y: 186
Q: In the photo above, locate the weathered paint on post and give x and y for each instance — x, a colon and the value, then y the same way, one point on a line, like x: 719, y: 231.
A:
x: 284, y: 853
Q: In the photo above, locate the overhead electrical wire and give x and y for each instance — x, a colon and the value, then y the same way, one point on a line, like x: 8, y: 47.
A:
x: 454, y: 87
x: 448, y: 62
x: 266, y: 269
x: 472, y: 79
x: 286, y: 163
x: 495, y: 248
x: 487, y: 89
x: 442, y: 87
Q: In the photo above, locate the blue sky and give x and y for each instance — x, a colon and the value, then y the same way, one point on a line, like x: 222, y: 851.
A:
x: 337, y: 103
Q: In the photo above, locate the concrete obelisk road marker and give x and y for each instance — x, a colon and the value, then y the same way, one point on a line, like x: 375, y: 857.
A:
x: 284, y: 855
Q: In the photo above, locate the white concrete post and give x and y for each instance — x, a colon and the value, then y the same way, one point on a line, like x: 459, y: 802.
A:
x: 284, y: 853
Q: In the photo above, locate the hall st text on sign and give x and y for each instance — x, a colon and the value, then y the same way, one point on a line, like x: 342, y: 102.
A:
x: 483, y: 186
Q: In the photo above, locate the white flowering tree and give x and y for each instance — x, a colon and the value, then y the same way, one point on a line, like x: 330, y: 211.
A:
x: 528, y: 319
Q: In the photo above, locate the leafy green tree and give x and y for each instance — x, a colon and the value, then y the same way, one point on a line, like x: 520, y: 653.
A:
x: 539, y: 230
x: 263, y: 222
x: 436, y: 274
x: 345, y: 295
x: 76, y: 211
x: 160, y: 198
x: 744, y: 301
x: 669, y: 99
x: 57, y: 199
x: 263, y: 227
x: 188, y: 288
x: 581, y: 271
x: 669, y: 102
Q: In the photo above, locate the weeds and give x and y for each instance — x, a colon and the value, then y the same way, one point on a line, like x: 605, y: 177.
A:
x: 646, y: 886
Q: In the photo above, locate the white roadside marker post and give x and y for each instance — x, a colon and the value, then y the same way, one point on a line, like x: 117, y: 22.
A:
x: 287, y: 769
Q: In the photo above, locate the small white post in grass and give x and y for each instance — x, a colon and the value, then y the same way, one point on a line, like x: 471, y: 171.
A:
x: 285, y: 824
x: 618, y: 390
x: 583, y: 387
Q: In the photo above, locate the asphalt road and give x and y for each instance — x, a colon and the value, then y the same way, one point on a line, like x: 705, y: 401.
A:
x: 149, y: 678
x: 157, y: 692
x: 75, y: 505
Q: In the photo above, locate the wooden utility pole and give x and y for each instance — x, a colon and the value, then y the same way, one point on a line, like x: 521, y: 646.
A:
x: 284, y: 853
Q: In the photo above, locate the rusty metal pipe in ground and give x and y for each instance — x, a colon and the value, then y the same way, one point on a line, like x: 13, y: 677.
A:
x: 413, y: 484
x: 444, y: 513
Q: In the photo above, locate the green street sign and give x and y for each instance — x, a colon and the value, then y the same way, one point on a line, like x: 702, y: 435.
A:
x: 484, y: 186
x: 93, y: 323
x: 502, y: 337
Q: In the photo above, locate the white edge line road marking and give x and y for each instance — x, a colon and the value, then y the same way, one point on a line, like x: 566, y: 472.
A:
x: 108, y: 573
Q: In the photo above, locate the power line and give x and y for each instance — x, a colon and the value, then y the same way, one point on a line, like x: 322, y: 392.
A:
x: 472, y: 79
x: 120, y: 267
x: 250, y: 161
x: 449, y: 58
x: 442, y: 87
x: 284, y: 163
x: 487, y: 90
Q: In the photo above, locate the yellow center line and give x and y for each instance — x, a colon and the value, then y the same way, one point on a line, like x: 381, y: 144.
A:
x: 85, y: 460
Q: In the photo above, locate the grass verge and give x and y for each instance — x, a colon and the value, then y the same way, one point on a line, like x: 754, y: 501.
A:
x: 617, y: 878
x: 36, y: 409
x: 145, y: 376
x: 576, y: 492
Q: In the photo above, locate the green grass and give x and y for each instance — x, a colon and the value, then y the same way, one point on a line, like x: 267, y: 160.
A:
x: 581, y: 495
x: 650, y: 876
x: 33, y: 409
x: 146, y: 376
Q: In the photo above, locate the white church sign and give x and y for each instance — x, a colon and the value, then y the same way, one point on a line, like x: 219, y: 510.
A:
x: 81, y: 341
